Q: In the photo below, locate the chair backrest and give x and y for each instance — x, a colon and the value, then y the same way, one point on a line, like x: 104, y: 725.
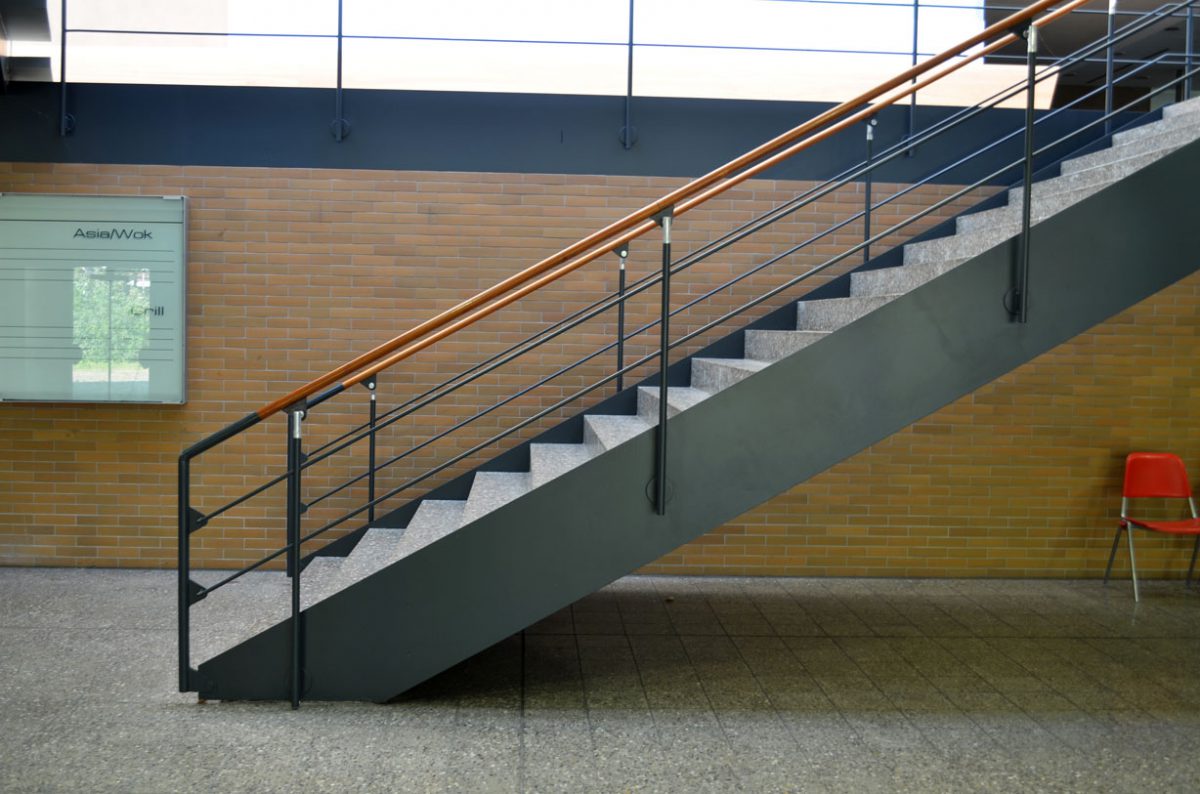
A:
x: 1155, y: 474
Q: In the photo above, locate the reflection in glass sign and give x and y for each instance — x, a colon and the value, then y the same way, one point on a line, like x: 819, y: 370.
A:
x: 111, y: 328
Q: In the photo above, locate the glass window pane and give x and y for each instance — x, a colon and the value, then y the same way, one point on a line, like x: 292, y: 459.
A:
x: 851, y: 27
x: 202, y: 60
x: 311, y: 17
x: 942, y: 28
x: 520, y: 20
x: 759, y: 74
x: 484, y: 66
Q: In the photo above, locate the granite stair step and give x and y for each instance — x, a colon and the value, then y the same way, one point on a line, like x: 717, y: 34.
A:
x: 547, y: 461
x: 679, y: 398
x: 1157, y: 141
x: 434, y: 519
x: 833, y: 313
x: 603, y: 432
x: 774, y: 345
x: 715, y: 374
x: 493, y: 489
x: 898, y: 280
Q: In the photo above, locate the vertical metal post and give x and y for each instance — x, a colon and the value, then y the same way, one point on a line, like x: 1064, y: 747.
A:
x: 623, y: 253
x: 340, y: 128
x: 1189, y: 46
x: 628, y: 134
x: 295, y: 462
x: 1108, y: 68
x: 912, y: 98
x: 65, y: 124
x: 660, y: 469
x: 1022, y: 288
x: 184, y: 553
x: 371, y: 456
x: 867, y: 191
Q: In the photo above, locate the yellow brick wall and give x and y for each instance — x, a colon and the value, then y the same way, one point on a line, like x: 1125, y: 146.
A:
x: 1021, y: 478
x: 292, y: 271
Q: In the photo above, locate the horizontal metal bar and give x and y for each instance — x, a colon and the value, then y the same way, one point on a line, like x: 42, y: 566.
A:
x: 204, y: 591
x: 246, y: 497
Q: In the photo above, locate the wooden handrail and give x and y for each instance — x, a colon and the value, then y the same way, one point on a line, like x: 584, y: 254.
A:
x: 639, y: 222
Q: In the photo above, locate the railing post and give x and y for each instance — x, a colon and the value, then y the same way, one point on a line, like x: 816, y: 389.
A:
x: 184, y: 563
x: 1021, y: 292
x: 1108, y: 68
x: 66, y: 122
x: 867, y: 191
x: 912, y: 98
x: 340, y: 127
x: 295, y: 463
x: 623, y: 254
x: 370, y: 384
x: 660, y: 468
x: 1189, y: 46
x: 628, y: 132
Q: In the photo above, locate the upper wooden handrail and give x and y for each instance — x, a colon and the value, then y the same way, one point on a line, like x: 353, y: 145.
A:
x: 681, y: 200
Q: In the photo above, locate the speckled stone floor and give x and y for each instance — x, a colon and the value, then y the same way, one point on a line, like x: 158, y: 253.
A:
x: 653, y: 684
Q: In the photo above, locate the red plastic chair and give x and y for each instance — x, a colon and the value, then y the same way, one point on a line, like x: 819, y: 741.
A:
x: 1154, y: 475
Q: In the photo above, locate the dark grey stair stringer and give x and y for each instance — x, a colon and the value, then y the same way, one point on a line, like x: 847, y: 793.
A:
x: 742, y: 433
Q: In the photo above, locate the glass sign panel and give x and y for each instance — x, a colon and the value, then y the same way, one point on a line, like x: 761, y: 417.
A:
x: 92, y: 304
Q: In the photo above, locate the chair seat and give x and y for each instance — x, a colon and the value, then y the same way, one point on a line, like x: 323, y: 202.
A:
x: 1190, y: 526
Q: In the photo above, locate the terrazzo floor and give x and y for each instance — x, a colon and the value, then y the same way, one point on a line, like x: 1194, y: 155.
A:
x: 652, y: 684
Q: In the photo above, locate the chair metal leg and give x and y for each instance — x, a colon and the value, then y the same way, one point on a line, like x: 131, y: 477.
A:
x: 1133, y: 566
x: 1192, y: 566
x: 1112, y: 555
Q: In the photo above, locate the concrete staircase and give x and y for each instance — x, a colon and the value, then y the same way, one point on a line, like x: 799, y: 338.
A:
x: 817, y: 320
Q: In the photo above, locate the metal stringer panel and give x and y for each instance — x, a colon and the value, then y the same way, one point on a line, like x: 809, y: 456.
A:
x: 733, y: 451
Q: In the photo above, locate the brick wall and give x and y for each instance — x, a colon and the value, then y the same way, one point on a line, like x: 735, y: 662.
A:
x: 292, y: 271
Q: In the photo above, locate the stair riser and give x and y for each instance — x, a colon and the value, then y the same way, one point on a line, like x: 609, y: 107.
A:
x: 1091, y: 177
x: 1187, y: 108
x: 1167, y: 126
x: 492, y: 490
x: 962, y: 246
x: 1043, y: 207
x: 829, y: 315
x: 1160, y: 143
x: 648, y: 407
x: 714, y: 376
x: 895, y: 280
x: 774, y: 345
x: 547, y: 461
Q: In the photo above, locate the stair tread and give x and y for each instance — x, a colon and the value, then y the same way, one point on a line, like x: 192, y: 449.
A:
x: 772, y: 345
x: 748, y: 364
x: 612, y: 430
x: 678, y: 397
x: 547, y: 461
x: 434, y: 519
x: 493, y: 489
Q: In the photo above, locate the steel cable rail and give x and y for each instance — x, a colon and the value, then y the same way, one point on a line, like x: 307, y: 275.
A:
x: 367, y: 366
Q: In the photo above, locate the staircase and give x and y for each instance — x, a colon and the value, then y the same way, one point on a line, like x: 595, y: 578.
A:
x: 752, y: 415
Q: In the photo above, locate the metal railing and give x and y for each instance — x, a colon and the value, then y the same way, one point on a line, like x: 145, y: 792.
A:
x: 998, y: 163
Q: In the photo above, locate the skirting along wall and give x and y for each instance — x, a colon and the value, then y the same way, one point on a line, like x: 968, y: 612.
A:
x: 293, y: 271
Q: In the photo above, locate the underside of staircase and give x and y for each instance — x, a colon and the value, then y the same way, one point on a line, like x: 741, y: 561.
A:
x: 752, y: 415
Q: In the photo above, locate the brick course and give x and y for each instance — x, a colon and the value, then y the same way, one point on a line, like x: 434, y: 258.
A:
x: 293, y: 271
